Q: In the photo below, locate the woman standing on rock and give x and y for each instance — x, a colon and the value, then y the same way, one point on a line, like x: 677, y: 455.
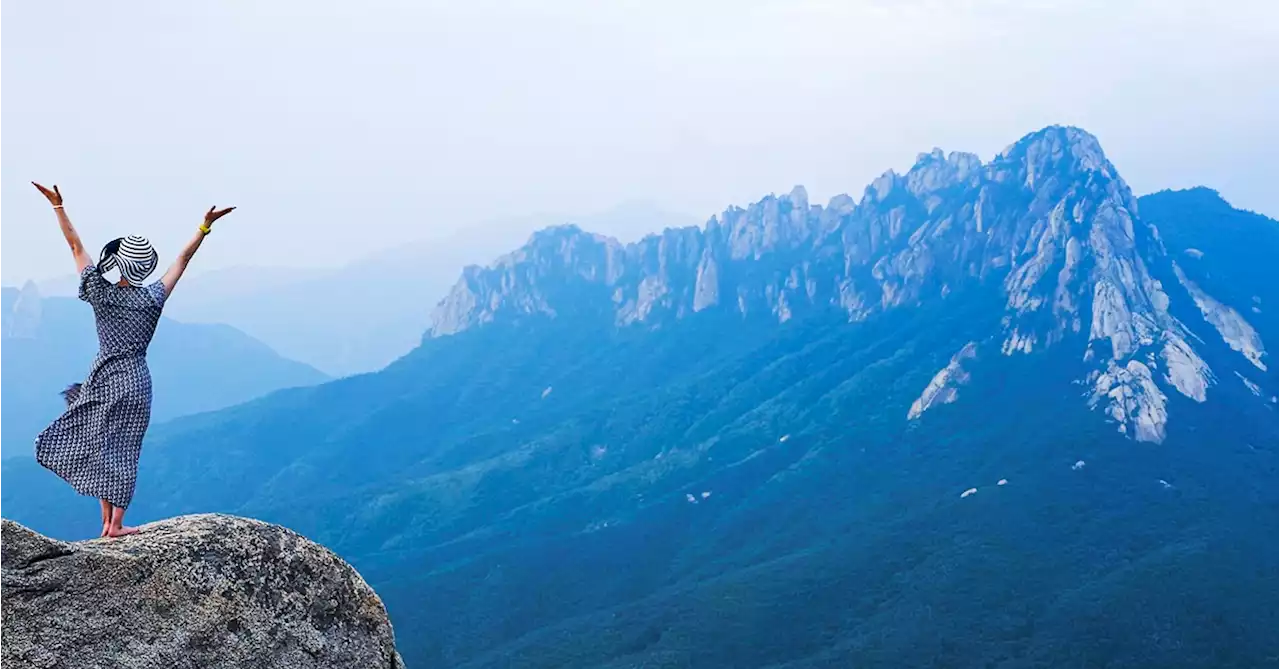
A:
x: 96, y: 442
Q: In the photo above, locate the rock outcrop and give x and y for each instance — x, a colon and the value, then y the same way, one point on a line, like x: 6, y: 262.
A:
x: 943, y: 389
x: 204, y: 591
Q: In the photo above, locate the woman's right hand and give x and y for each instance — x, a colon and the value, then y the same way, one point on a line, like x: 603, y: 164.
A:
x: 54, y: 196
x: 73, y: 238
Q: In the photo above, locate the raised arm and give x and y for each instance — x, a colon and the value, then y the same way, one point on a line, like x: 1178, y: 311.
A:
x: 68, y: 231
x: 171, y: 276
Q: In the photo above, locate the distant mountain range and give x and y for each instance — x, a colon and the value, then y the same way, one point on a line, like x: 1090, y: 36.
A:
x: 360, y: 317
x: 986, y: 414
x: 49, y: 343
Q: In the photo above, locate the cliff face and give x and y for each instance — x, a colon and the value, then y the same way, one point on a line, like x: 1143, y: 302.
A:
x: 207, y: 591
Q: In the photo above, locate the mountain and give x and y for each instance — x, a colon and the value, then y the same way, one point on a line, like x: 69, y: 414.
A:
x: 1049, y: 218
x: 982, y: 415
x: 356, y: 318
x: 346, y: 321
x: 49, y: 343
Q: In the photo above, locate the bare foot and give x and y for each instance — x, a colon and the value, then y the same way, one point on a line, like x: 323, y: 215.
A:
x: 121, y: 531
x: 106, y: 529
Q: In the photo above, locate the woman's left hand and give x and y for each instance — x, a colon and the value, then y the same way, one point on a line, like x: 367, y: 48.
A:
x: 214, y: 214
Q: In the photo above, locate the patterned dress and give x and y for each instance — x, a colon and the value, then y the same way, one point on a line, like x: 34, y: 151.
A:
x: 96, y: 443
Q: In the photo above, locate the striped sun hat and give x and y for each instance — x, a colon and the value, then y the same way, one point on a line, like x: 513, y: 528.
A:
x: 133, y: 256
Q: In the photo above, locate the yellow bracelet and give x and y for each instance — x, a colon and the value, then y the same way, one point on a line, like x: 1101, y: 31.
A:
x: 204, y: 229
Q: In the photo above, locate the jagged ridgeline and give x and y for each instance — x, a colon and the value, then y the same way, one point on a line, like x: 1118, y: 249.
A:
x: 985, y: 414
x: 1049, y: 221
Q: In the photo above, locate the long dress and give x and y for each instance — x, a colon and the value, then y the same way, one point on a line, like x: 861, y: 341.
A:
x: 96, y: 443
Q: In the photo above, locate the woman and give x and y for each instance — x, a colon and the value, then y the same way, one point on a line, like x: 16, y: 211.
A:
x: 95, y: 444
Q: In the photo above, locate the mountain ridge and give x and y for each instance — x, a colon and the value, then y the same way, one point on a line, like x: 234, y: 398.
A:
x: 1049, y: 216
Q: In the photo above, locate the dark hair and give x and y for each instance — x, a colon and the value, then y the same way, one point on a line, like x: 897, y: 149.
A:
x: 71, y: 393
x: 107, y: 257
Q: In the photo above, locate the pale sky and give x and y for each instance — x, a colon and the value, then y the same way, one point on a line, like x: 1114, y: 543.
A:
x: 343, y: 128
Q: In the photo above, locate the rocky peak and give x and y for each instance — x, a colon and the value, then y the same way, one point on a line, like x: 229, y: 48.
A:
x: 1057, y: 150
x: 531, y: 280
x: 880, y: 189
x: 772, y: 224
x: 23, y: 319
x: 937, y: 171
x: 207, y: 591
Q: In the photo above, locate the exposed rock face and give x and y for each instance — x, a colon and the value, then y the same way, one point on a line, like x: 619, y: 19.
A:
x: 1048, y: 221
x: 943, y: 389
x: 1235, y: 330
x: 1253, y: 387
x: 1132, y: 399
x: 202, y: 591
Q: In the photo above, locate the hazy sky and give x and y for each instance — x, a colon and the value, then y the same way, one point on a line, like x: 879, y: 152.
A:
x: 341, y: 128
